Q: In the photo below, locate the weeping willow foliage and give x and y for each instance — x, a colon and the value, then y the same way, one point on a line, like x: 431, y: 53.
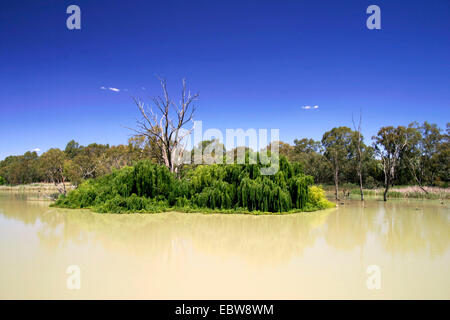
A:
x: 148, y: 187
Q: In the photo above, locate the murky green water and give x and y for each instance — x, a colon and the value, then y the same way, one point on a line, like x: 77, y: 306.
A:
x: 196, y: 256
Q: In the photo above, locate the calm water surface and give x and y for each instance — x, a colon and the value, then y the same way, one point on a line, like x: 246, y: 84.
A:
x: 196, y: 256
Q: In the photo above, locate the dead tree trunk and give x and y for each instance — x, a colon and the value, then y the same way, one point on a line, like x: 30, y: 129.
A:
x: 360, y: 155
x: 414, y: 168
x: 387, y: 177
x: 336, y: 179
x: 167, y: 133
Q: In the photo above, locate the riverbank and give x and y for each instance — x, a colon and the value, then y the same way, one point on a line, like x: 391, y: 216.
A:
x: 39, y: 190
x: 396, y: 192
x: 432, y: 193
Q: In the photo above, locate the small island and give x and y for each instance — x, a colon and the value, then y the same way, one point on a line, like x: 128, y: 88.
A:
x: 237, y: 188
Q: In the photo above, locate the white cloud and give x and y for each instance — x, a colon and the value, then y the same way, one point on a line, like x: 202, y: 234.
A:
x: 309, y: 107
x: 114, y: 89
x: 103, y: 88
x: 36, y: 150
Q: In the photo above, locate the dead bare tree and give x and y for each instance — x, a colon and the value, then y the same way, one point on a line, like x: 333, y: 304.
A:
x: 159, y: 128
x: 359, y: 152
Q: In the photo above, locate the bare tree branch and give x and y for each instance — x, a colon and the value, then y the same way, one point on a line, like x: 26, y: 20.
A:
x: 159, y: 127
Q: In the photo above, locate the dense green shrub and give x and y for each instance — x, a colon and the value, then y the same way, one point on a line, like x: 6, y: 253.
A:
x: 133, y: 203
x: 317, y: 198
x: 148, y: 187
x: 2, y: 181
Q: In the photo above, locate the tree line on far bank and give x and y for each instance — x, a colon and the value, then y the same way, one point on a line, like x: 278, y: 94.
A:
x: 417, y: 154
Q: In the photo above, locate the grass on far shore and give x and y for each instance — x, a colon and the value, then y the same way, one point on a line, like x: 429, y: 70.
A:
x: 433, y: 193
x: 396, y: 192
x: 43, y: 188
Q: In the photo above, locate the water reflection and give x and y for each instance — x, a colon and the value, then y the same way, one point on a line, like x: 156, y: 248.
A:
x: 402, y: 227
x: 271, y: 239
x: 189, y: 244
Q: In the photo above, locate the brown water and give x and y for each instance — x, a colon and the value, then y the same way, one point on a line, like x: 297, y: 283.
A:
x: 196, y: 256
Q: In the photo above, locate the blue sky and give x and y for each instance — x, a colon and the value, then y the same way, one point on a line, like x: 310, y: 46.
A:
x: 255, y: 64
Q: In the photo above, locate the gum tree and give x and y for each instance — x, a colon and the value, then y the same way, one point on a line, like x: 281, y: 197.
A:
x: 337, y: 143
x: 423, y: 153
x: 53, y: 165
x: 164, y: 124
x: 390, y: 144
x: 359, y: 147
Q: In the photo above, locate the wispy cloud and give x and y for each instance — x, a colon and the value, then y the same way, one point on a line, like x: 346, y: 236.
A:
x: 36, y: 150
x: 110, y: 88
x: 309, y: 107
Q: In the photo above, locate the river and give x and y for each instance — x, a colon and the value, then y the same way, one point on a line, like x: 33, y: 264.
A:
x: 371, y: 250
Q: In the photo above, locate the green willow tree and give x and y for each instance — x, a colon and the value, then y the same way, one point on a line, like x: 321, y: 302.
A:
x: 149, y: 187
x: 309, y: 153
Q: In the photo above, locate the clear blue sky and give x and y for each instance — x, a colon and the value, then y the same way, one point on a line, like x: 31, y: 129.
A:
x: 255, y: 64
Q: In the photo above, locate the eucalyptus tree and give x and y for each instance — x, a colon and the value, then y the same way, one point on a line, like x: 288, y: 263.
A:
x: 431, y: 147
x: 306, y: 145
x: 358, y: 142
x: 421, y: 155
x: 310, y: 154
x: 165, y: 125
x: 72, y: 149
x: 390, y: 144
x: 53, y: 165
x: 143, y: 148
x: 91, y: 161
x: 209, y: 152
x: 337, y: 144
x: 21, y: 169
x: 443, y: 157
x: 284, y: 149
